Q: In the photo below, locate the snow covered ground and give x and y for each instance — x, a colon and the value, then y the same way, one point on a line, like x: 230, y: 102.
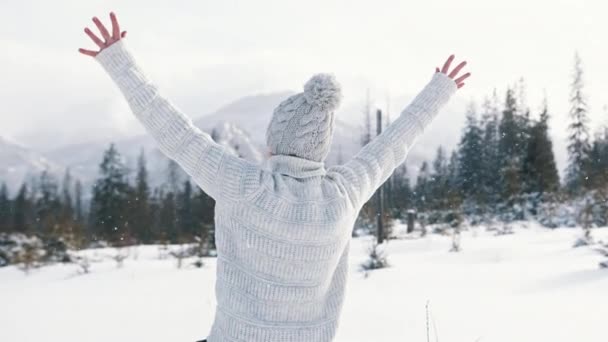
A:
x: 528, y: 286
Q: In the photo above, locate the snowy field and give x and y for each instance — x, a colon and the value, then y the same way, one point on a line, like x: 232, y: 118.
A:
x: 528, y: 286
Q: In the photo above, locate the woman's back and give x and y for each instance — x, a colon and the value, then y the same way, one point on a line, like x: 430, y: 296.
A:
x: 282, y: 255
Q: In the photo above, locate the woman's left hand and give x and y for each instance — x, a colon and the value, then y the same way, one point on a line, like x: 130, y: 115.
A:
x: 454, y: 73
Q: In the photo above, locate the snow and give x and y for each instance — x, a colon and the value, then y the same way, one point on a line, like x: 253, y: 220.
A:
x: 527, y: 286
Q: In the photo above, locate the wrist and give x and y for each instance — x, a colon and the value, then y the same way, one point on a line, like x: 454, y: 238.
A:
x: 115, y: 57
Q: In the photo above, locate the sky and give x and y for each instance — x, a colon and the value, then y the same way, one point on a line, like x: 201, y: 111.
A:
x: 204, y: 54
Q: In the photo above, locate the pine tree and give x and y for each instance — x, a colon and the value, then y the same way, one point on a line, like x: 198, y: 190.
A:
x: 185, y: 213
x: 578, y: 134
x: 69, y: 228
x: 5, y: 209
x: 48, y: 206
x: 168, y: 217
x: 454, y: 198
x: 421, y: 189
x: 168, y: 210
x: 509, y: 147
x: 79, y: 237
x: 439, y: 180
x: 22, y: 211
x: 78, y: 206
x: 66, y: 196
x: 454, y: 193
x: 155, y: 208
x: 402, y: 196
x: 539, y: 167
x: 141, y: 220
x: 489, y: 173
x: 471, y: 158
x: 110, y: 196
x: 598, y: 161
x: 174, y: 176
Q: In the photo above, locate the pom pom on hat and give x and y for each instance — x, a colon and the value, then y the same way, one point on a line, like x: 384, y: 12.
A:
x: 323, y: 90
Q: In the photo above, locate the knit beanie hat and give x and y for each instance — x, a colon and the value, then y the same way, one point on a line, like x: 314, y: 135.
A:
x: 303, y: 124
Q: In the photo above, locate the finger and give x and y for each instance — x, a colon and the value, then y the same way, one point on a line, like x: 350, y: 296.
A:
x: 460, y: 85
x: 446, y: 66
x: 462, y: 78
x: 104, y: 32
x: 88, y: 52
x: 124, y: 34
x: 457, y: 69
x: 115, y: 26
x: 92, y: 35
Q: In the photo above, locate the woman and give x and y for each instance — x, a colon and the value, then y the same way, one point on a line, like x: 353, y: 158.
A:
x: 283, y: 228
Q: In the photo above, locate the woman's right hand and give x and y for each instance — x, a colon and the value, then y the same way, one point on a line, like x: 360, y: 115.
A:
x: 108, y: 39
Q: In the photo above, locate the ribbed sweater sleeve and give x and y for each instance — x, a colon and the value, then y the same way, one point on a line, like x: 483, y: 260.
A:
x: 176, y: 136
x: 377, y: 160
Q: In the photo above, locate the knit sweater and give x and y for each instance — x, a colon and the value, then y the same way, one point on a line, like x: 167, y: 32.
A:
x: 283, y: 227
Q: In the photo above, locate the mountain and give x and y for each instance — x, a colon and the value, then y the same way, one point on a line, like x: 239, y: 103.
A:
x: 17, y: 162
x: 85, y: 158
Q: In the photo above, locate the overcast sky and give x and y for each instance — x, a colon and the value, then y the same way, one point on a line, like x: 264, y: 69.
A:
x: 204, y: 54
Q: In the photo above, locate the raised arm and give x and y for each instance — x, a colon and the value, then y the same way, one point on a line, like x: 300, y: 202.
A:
x: 377, y: 160
x: 194, y: 150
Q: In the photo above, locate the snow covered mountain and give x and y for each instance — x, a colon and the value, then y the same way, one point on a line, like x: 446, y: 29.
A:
x: 231, y: 135
x: 85, y: 158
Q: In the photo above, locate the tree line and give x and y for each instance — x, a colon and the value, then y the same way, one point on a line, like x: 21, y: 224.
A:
x: 121, y: 211
x: 504, y: 166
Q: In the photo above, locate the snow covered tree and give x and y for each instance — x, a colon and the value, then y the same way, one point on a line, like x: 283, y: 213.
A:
x: 539, y: 168
x: 578, y: 134
x: 598, y: 177
x: 489, y: 173
x: 376, y: 258
x: 509, y: 147
x: 471, y: 157
x: 598, y: 161
x: 108, y: 216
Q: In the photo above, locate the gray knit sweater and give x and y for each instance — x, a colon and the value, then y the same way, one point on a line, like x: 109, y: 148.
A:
x: 282, y: 228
